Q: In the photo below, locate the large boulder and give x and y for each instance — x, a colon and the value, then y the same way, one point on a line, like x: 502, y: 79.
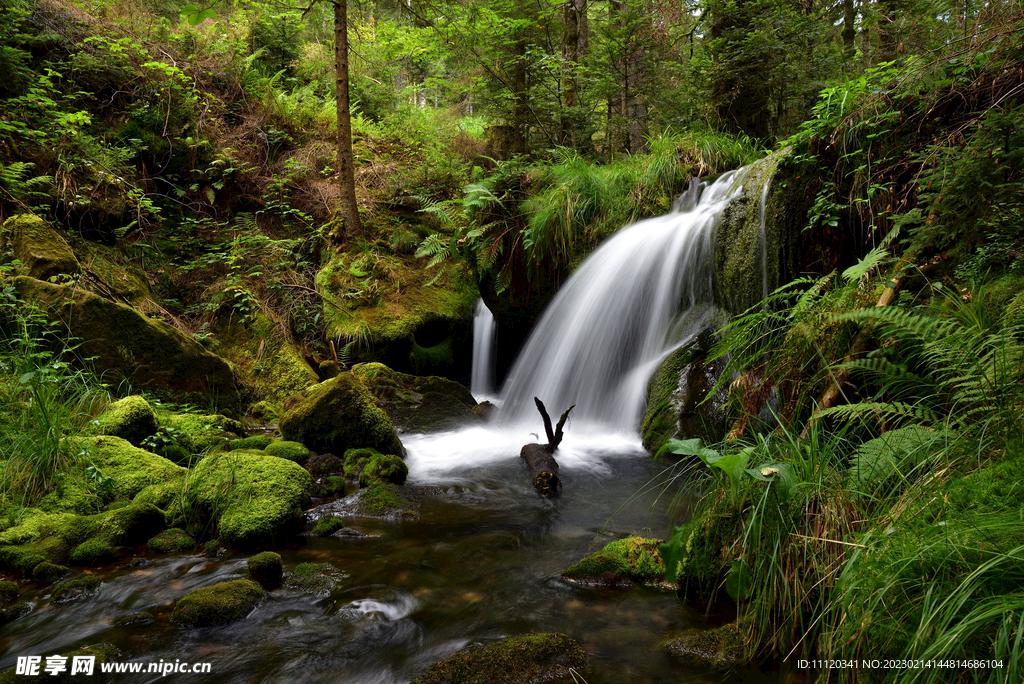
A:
x: 340, y: 414
x: 633, y: 559
x: 514, y: 660
x: 415, y: 403
x: 218, y: 604
x: 41, y: 249
x: 126, y: 345
x: 131, y: 418
x: 253, y: 499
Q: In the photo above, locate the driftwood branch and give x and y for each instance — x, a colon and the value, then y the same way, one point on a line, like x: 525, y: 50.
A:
x: 540, y: 460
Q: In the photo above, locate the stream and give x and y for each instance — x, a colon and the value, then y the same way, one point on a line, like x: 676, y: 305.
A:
x: 482, y: 561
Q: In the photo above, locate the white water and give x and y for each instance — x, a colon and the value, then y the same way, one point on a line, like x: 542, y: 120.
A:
x: 644, y: 292
x: 481, y: 379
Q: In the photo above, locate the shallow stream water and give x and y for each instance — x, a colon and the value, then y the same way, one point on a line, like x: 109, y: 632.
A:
x: 482, y: 561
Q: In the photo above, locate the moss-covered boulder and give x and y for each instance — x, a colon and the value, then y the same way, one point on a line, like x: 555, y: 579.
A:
x: 43, y: 251
x: 384, y: 468
x: 266, y: 361
x: 381, y: 500
x: 252, y: 499
x: 678, y: 404
x: 407, y: 317
x: 131, y: 419
x: 130, y: 469
x: 515, y: 660
x: 315, y: 578
x: 292, y: 451
x: 258, y: 442
x: 75, y: 589
x: 102, y: 538
x: 174, y: 540
x: 418, y: 404
x: 48, y: 573
x: 198, y: 433
x: 718, y: 648
x: 127, y: 345
x: 8, y: 591
x: 339, y: 414
x: 218, y: 604
x: 266, y: 568
x: 140, y: 619
x: 620, y: 563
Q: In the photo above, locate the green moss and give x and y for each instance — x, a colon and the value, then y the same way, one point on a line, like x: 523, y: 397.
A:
x: 264, y: 411
x: 357, y: 459
x: 49, y: 572
x: 418, y: 404
x: 8, y: 591
x: 269, y: 366
x: 717, y: 648
x: 25, y: 558
x: 34, y: 525
x: 292, y: 451
x: 266, y: 568
x: 331, y: 485
x: 325, y: 527
x: 258, y: 442
x: 381, y: 500
x: 534, y: 657
x: 139, y: 619
x: 633, y: 559
x: 178, y: 455
x: 337, y: 415
x: 131, y: 469
x: 173, y: 540
x: 388, y: 468
x: 10, y: 613
x: 322, y: 464
x: 114, y: 279
x: 219, y: 604
x: 660, y: 423
x: 160, y: 495
x: 95, y: 552
x: 315, y: 578
x: 434, y: 359
x: 252, y: 498
x: 41, y: 249
x: 131, y: 419
x: 123, y: 344
x: 76, y: 589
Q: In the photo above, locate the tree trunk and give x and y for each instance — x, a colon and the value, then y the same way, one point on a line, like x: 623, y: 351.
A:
x: 540, y: 460
x: 849, y: 30
x: 347, y: 217
x: 574, y: 42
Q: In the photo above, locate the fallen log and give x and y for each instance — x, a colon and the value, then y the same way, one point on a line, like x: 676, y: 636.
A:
x: 540, y: 460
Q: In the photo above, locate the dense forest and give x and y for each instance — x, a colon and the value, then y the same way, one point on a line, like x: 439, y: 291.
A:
x: 254, y: 254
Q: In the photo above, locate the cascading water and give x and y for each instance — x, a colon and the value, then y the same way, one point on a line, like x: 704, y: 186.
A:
x: 481, y: 379
x: 644, y: 292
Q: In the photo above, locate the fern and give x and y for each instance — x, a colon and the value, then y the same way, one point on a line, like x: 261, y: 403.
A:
x: 18, y: 183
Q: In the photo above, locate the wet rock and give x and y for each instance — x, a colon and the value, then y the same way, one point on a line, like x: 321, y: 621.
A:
x: 253, y: 499
x: 484, y: 410
x: 49, y: 573
x: 8, y: 591
x: 379, y: 500
x: 315, y: 578
x: 131, y: 419
x: 515, y: 660
x: 218, y: 604
x: 266, y: 568
x: 139, y: 619
x: 340, y: 414
x: 418, y: 404
x: 127, y: 345
x: 173, y: 540
x: 327, y: 526
x: 43, y: 251
x: 76, y: 589
x: 13, y: 611
x: 717, y: 648
x: 620, y: 563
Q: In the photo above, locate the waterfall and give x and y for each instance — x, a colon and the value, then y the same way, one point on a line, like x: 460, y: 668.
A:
x: 481, y: 379
x: 642, y: 293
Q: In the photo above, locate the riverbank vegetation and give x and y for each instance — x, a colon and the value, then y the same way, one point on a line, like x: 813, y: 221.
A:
x: 168, y: 187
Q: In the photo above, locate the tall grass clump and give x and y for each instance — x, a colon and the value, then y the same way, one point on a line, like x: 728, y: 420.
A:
x: 44, y: 401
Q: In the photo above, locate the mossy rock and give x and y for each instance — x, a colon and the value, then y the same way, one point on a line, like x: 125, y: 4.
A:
x: 406, y: 307
x: 633, y: 559
x: 332, y: 485
x: 49, y: 573
x: 257, y: 442
x: 219, y: 604
x: 266, y: 568
x: 131, y: 469
x: 123, y: 344
x: 200, y: 433
x: 8, y: 591
x: 112, y: 277
x: 24, y: 558
x: 268, y: 364
x: 254, y: 499
x: 101, y: 652
x: 340, y: 414
x: 140, y: 619
x: 324, y: 527
x: 102, y: 537
x: 718, y: 648
x: 324, y: 464
x: 382, y: 500
x: 660, y: 422
x: 292, y: 451
x: 35, y: 524
x: 131, y: 419
x: 514, y: 660
x: 315, y: 578
x: 75, y: 589
x: 96, y: 552
x: 174, y: 540
x: 387, y: 468
x: 357, y: 459
x: 13, y: 611
x: 43, y: 251
x: 418, y: 404
x: 264, y: 411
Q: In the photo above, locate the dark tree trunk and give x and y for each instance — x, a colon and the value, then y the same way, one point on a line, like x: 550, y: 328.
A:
x: 574, y: 46
x: 348, y: 211
x: 540, y: 460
